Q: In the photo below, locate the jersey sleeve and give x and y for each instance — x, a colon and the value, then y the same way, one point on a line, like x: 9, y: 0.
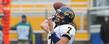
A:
x: 68, y: 31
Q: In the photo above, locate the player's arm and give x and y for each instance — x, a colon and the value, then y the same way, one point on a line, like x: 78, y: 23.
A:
x: 47, y: 25
x: 63, y: 40
x: 31, y: 32
x: 44, y: 26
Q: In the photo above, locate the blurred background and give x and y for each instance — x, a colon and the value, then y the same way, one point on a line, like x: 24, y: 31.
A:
x: 89, y: 16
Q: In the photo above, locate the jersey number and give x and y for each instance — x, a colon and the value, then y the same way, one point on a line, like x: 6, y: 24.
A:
x: 69, y: 28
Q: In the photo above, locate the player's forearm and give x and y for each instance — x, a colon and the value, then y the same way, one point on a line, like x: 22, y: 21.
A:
x: 63, y: 40
x: 45, y: 29
x: 44, y: 26
x: 50, y: 24
x: 47, y: 25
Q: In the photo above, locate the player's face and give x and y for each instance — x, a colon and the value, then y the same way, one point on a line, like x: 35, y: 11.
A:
x: 59, y: 17
x: 23, y: 20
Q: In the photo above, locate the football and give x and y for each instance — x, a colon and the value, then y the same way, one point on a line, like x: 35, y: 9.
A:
x: 57, y: 5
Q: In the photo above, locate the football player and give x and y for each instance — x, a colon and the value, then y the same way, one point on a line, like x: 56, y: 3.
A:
x: 61, y: 28
x: 64, y: 32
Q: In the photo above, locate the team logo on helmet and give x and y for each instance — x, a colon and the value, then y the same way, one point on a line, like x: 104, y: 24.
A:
x: 66, y: 13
